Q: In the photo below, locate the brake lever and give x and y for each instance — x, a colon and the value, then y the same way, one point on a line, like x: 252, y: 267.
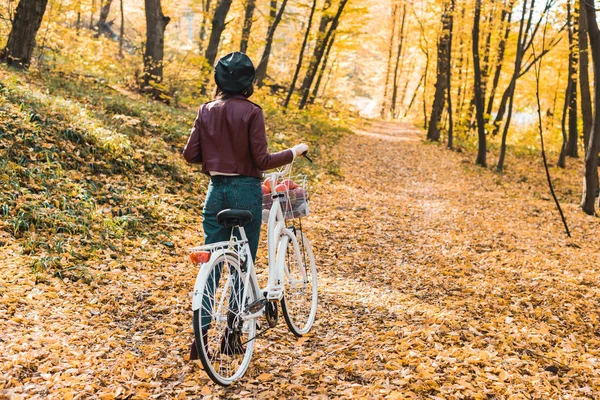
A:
x: 305, y: 155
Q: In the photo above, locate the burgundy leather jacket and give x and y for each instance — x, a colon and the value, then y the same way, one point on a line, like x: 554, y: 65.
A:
x: 229, y: 136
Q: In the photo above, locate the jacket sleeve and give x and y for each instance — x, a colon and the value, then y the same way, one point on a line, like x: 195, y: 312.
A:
x: 193, y: 151
x: 258, y: 145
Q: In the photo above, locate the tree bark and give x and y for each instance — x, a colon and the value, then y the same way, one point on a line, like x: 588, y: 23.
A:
x: 449, y: 95
x: 510, y: 91
x: 315, y: 91
x: 591, y: 158
x: 301, y: 55
x: 506, y: 19
x: 584, y: 77
x: 21, y: 40
x: 572, y: 143
x: 156, y: 22
x: 396, y: 68
x: 121, y: 30
x: 389, y: 63
x: 261, y: 69
x: 480, y: 109
x: 248, y: 19
x: 202, y: 34
x: 443, y: 72
x: 319, y: 50
x: 104, y: 11
x: 218, y: 25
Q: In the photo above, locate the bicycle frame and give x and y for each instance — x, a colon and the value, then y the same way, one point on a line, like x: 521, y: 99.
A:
x: 276, y: 243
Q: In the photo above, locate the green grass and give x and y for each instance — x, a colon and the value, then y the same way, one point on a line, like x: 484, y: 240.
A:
x: 88, y: 167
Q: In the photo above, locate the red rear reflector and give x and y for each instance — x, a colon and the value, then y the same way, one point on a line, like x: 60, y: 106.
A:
x: 200, y: 257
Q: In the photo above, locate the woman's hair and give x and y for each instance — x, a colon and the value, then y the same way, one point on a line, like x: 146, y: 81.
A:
x: 220, y: 94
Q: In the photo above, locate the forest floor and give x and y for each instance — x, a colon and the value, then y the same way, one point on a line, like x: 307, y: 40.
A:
x: 437, y: 279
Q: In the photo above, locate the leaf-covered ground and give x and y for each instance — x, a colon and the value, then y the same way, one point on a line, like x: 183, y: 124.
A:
x: 437, y: 280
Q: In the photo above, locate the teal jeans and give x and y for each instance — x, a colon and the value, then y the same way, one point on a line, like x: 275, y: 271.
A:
x: 235, y: 192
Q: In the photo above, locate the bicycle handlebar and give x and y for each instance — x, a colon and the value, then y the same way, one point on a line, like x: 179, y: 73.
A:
x: 288, y: 167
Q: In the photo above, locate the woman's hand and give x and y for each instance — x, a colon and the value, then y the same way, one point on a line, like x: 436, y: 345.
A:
x: 300, y: 149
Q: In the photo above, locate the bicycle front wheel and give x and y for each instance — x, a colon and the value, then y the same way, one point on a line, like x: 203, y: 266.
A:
x: 299, y: 303
x: 223, y: 330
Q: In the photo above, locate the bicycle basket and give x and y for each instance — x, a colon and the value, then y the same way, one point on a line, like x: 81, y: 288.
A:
x: 292, y: 193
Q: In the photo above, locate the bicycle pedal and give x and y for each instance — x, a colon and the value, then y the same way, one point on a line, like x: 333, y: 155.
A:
x: 256, y: 306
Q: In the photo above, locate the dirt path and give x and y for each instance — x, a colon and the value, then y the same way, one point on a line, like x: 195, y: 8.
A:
x: 437, y: 281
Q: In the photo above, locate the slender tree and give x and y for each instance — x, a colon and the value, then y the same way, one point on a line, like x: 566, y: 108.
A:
x: 218, y: 25
x: 203, y: 22
x: 480, y: 107
x: 261, y: 69
x: 506, y: 19
x: 315, y: 91
x: 319, y: 52
x: 389, y: 63
x: 443, y: 71
x: 397, y: 67
x: 21, y: 40
x: 584, y: 78
x: 301, y: 55
x: 156, y: 22
x: 449, y: 95
x: 104, y: 11
x: 121, y: 29
x: 572, y: 142
x: 249, y: 7
x: 591, y: 158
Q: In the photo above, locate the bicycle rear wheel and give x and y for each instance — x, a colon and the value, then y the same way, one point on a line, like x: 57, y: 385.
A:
x: 224, y: 334
x: 299, y: 303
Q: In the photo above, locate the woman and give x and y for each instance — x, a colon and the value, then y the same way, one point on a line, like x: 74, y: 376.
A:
x: 229, y: 140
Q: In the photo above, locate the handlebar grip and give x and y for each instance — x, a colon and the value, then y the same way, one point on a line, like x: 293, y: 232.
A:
x: 305, y: 155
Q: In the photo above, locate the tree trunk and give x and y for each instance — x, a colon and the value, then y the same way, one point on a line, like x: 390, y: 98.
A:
x: 389, y: 63
x: 202, y: 34
x: 591, y: 158
x: 156, y: 22
x: 449, y: 95
x: 248, y: 19
x: 301, y: 56
x: 121, y: 30
x: 319, y: 51
x: 218, y: 25
x: 261, y: 69
x: 482, y: 148
x: 572, y: 143
x: 443, y: 72
x: 104, y: 10
x: 21, y: 40
x: 507, y: 19
x: 396, y: 68
x: 315, y: 91
x: 584, y: 78
x: 509, y: 94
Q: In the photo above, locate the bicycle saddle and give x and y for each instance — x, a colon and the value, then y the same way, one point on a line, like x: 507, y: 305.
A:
x: 230, y: 218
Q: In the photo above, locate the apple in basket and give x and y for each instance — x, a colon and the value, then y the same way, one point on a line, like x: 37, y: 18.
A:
x: 290, y: 184
x: 267, y: 183
x: 265, y: 189
x: 281, y: 188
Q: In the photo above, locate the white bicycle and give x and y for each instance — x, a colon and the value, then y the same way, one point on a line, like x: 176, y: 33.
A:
x: 227, y: 300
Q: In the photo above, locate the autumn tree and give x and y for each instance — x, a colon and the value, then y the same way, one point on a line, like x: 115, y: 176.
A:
x: 320, y: 48
x: 218, y: 25
x: 443, y: 72
x: 104, y: 10
x: 249, y: 7
x: 482, y: 147
x: 261, y: 69
x: 301, y: 55
x: 21, y: 40
x: 593, y: 146
x: 156, y: 22
x: 584, y: 78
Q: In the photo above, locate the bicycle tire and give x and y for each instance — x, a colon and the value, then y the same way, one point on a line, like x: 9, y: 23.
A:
x: 297, y: 295
x: 223, y: 362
